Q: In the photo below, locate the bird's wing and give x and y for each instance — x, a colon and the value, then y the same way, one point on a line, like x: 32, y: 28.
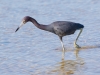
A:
x: 64, y: 28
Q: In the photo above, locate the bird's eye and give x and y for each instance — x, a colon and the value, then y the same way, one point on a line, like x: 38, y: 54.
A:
x: 24, y: 21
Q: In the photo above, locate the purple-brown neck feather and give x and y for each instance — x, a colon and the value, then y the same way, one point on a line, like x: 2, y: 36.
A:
x: 40, y: 26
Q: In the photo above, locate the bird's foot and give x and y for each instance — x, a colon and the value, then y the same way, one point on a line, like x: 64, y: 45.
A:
x: 76, y: 46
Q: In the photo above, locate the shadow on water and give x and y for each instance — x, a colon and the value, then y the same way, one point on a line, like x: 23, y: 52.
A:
x: 79, y: 49
x: 90, y: 47
x: 82, y: 48
x: 85, y: 48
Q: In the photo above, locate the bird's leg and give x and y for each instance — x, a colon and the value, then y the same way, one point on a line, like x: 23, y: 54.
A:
x: 62, y: 44
x: 63, y: 54
x: 77, y: 46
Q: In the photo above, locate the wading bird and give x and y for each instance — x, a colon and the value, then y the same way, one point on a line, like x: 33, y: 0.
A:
x: 60, y: 28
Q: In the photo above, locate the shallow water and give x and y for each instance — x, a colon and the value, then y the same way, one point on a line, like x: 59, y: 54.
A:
x: 32, y: 51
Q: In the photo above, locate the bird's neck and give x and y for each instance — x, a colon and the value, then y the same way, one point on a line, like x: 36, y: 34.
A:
x: 40, y: 26
x: 37, y: 24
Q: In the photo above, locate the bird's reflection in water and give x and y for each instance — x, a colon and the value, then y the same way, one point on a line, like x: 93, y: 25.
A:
x: 69, y: 67
x: 72, y: 67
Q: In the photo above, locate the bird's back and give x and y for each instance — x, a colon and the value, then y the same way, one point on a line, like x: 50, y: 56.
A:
x: 62, y: 28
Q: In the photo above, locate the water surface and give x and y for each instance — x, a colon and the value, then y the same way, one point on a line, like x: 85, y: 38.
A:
x: 32, y: 51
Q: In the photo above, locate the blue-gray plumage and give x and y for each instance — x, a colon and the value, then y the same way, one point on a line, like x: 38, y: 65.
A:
x: 60, y: 28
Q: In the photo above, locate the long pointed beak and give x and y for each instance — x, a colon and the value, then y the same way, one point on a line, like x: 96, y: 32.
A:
x: 17, y: 29
x: 19, y: 26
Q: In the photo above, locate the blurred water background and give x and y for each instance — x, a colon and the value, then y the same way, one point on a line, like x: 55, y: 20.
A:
x: 32, y: 51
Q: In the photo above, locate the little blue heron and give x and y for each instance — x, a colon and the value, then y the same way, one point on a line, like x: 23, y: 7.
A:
x: 60, y: 28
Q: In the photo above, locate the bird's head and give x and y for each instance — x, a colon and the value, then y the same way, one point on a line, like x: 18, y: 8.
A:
x: 24, y: 20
